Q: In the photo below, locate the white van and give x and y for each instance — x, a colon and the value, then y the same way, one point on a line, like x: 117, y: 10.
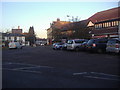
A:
x: 75, y: 44
x: 15, y: 45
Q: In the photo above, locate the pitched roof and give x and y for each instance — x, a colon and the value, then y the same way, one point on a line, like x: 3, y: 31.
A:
x: 82, y: 23
x: 14, y: 34
x: 105, y: 15
x: 60, y: 24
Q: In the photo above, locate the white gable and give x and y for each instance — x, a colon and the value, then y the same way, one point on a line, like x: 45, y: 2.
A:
x: 90, y: 24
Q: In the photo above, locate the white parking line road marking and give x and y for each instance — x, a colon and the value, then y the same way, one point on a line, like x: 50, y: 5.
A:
x: 26, y: 68
x: 80, y: 73
x: 101, y: 78
x: 105, y: 74
x: 6, y: 63
x: 99, y: 75
x: 22, y: 70
x: 9, y: 63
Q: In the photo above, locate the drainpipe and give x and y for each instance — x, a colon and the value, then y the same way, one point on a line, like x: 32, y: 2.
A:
x: 119, y: 29
x: 119, y: 22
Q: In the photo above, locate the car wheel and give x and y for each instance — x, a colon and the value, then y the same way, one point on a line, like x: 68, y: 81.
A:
x: 99, y: 51
x: 77, y: 49
x: 119, y: 53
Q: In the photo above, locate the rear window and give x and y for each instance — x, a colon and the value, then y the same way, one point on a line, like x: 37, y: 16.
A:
x: 113, y: 41
x: 79, y: 41
x: 102, y: 41
x: 118, y: 41
x: 60, y: 43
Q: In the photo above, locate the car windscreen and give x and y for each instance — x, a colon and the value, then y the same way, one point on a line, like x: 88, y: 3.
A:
x: 60, y: 43
x: 69, y: 42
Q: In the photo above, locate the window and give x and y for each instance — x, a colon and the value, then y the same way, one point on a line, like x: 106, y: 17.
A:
x: 96, y: 26
x: 109, y: 24
x: 70, y: 42
x: 102, y: 41
x: 105, y: 24
x: 112, y: 23
x: 9, y: 38
x: 116, y: 22
x: 79, y: 41
x: 100, y: 25
x: 117, y: 41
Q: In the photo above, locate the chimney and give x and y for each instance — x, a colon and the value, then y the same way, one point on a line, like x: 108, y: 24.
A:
x: 58, y: 19
x: 18, y: 27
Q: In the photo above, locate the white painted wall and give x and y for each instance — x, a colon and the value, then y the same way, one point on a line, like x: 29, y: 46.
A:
x: 6, y: 38
x: 18, y: 38
x: 90, y: 24
x: 23, y: 39
x: 12, y: 38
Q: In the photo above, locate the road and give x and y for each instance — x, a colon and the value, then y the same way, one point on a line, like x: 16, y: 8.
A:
x: 42, y: 67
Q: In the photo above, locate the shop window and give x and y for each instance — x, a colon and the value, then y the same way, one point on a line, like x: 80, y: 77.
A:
x: 112, y: 23
x: 117, y: 23
x: 109, y: 24
x: 103, y: 25
x: 100, y: 25
x: 96, y: 26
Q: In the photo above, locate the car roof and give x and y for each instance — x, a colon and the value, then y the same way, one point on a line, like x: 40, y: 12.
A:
x: 100, y: 39
x: 115, y: 39
x: 78, y: 39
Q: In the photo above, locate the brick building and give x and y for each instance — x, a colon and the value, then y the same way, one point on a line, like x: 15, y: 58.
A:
x: 18, y: 30
x: 54, y: 32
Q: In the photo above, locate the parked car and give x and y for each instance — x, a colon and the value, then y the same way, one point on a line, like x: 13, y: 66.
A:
x: 57, y: 46
x: 83, y: 45
x: 64, y: 47
x: 97, y: 45
x: 113, y: 45
x: 15, y: 45
x: 74, y: 44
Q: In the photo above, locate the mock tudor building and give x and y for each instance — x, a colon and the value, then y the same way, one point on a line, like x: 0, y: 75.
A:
x: 106, y: 23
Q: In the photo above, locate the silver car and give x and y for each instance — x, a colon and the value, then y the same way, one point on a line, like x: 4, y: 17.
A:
x: 15, y: 45
x: 57, y: 46
x: 75, y: 44
x: 113, y: 45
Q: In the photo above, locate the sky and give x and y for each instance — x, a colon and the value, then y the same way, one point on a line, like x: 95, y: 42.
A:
x: 41, y: 14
